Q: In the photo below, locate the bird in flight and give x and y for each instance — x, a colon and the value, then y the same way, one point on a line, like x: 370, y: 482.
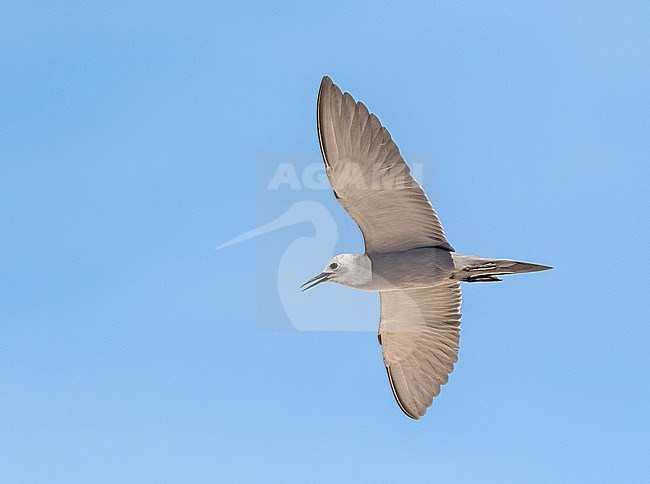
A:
x: 407, y: 258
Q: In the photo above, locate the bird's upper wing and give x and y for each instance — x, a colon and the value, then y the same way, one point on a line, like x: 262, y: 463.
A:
x: 371, y: 179
x: 419, y: 333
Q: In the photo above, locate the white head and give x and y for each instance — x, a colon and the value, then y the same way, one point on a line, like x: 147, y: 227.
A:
x: 353, y: 270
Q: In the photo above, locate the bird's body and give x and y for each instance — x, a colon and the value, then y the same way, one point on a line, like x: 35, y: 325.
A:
x: 408, y: 269
x: 421, y: 267
x: 408, y: 259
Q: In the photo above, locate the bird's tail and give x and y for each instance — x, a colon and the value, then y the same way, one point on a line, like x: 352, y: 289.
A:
x: 469, y: 268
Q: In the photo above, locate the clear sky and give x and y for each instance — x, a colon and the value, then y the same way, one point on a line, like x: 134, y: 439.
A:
x: 135, y: 139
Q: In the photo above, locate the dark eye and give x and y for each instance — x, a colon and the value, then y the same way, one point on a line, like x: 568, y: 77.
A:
x: 334, y: 266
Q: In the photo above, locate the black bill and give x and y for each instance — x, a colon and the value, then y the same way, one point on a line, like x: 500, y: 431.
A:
x: 314, y: 281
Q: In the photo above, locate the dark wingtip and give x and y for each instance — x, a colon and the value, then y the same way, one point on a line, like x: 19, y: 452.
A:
x: 397, y: 399
x: 326, y: 80
x: 325, y: 85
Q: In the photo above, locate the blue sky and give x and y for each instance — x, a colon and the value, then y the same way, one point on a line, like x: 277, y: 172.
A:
x: 134, y: 139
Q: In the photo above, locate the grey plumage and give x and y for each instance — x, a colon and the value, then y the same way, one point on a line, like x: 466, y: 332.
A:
x: 407, y: 257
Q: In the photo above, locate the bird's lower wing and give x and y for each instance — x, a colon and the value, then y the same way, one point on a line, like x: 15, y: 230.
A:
x: 419, y: 332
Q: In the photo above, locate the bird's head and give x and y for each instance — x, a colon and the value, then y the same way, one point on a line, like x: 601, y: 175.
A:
x: 347, y: 269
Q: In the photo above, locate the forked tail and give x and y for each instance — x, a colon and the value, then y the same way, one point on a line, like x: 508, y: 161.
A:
x: 469, y: 268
